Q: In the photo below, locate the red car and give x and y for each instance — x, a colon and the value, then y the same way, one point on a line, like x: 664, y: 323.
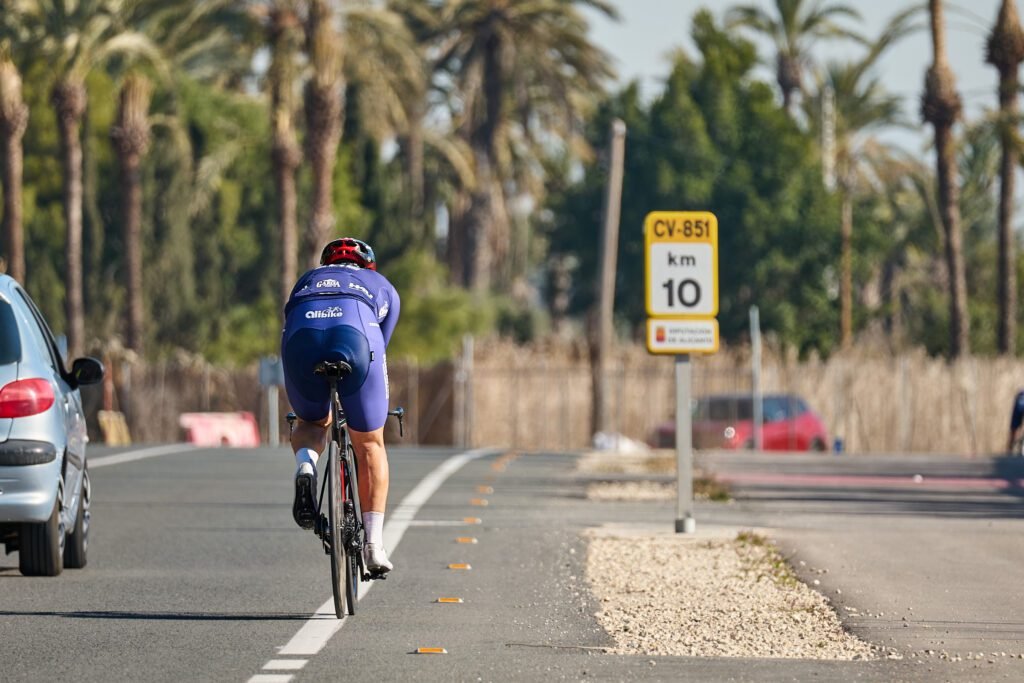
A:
x: 727, y: 422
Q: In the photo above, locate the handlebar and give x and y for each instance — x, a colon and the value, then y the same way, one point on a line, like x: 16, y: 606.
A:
x: 399, y: 412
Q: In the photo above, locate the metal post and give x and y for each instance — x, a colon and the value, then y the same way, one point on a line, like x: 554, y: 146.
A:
x: 755, y: 370
x: 273, y: 428
x: 467, y: 393
x: 685, y: 523
x: 606, y: 282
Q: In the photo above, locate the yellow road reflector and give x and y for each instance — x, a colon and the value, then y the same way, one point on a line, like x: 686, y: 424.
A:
x: 450, y: 601
x: 479, y: 502
x: 465, y: 539
x: 459, y: 565
x: 486, y: 490
x: 431, y: 651
x: 472, y: 520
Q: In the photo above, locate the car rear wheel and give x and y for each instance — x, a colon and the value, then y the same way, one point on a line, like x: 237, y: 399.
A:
x: 818, y: 446
x: 77, y: 545
x: 41, y: 551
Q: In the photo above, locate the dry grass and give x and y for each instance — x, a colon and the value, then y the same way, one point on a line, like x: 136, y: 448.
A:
x: 539, y: 398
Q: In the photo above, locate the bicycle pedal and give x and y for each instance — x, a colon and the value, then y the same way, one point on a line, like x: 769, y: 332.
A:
x: 382, y: 576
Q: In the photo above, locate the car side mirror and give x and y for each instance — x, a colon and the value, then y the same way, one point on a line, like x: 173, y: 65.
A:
x: 86, y: 371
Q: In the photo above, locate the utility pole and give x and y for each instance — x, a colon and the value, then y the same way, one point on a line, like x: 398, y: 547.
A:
x: 602, y: 337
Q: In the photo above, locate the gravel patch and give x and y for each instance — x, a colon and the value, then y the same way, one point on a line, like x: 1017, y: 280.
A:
x: 667, y: 594
x: 631, y: 491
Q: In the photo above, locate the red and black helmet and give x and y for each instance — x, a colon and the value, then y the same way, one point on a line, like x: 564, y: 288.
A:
x: 350, y: 250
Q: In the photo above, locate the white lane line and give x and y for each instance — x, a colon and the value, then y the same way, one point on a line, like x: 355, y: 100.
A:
x: 319, y: 629
x: 141, y: 454
x: 271, y: 678
x: 285, y: 664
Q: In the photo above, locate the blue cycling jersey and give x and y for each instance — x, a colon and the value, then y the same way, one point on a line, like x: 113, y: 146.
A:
x: 340, y: 312
x: 345, y: 280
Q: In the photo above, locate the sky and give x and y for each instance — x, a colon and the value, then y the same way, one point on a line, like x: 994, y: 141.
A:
x: 649, y: 30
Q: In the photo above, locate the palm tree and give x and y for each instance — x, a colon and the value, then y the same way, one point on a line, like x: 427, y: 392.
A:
x: 323, y: 117
x: 941, y: 107
x: 861, y: 106
x: 793, y: 27
x: 283, y: 37
x: 522, y: 72
x: 13, y: 121
x: 1006, y: 52
x: 377, y: 56
x: 130, y: 135
x: 75, y: 38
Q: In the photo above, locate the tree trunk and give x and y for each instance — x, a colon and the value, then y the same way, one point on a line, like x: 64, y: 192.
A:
x: 846, y: 268
x: 131, y: 139
x: 941, y: 107
x: 949, y: 204
x: 1007, y: 245
x: 13, y: 121
x: 285, y: 153
x: 1005, y: 51
x: 412, y: 145
x: 323, y: 103
x: 457, y: 249
x: 69, y: 98
x: 487, y: 227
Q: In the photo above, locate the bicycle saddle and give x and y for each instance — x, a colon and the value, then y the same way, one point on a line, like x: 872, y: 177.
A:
x: 334, y: 369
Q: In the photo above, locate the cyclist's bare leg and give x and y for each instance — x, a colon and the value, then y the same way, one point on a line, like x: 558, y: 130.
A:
x: 373, y: 469
x: 310, y: 434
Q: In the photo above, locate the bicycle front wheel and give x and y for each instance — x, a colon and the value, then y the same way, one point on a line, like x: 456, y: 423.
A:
x: 337, y: 521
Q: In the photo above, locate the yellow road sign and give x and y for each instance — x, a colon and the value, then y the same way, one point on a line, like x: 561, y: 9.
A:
x: 681, y: 258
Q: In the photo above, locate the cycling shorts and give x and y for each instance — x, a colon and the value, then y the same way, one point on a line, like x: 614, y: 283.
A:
x: 1017, y: 418
x: 332, y: 329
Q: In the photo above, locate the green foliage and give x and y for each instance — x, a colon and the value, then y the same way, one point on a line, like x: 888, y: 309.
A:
x: 434, y: 315
x: 716, y: 140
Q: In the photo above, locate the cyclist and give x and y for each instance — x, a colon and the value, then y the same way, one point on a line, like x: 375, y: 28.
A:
x: 1016, y: 425
x: 342, y: 310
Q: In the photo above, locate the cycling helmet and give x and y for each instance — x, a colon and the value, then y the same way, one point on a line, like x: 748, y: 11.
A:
x: 351, y: 250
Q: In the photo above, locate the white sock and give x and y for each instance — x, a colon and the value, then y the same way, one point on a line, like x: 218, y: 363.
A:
x: 306, y: 455
x: 373, y: 522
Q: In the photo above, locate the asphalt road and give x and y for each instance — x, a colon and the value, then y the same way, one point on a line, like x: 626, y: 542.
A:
x: 197, y: 572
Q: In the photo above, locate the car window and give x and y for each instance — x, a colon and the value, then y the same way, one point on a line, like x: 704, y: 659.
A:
x: 776, y: 409
x: 41, y: 332
x: 727, y: 409
x: 10, y: 340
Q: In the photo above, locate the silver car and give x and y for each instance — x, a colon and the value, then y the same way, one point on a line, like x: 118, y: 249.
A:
x: 44, y: 481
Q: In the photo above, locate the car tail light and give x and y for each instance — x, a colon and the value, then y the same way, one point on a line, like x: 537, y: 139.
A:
x: 26, y: 397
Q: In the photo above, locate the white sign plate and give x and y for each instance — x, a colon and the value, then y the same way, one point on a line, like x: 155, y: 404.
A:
x: 672, y: 336
x: 682, y: 264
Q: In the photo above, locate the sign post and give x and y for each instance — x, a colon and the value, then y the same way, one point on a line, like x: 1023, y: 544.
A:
x: 271, y: 376
x: 681, y: 288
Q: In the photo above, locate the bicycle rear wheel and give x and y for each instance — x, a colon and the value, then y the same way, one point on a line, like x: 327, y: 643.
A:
x: 337, y: 522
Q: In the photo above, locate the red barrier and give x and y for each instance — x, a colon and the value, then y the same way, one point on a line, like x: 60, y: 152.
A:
x: 221, y: 429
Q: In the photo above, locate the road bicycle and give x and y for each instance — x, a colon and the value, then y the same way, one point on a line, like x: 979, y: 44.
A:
x: 340, y: 526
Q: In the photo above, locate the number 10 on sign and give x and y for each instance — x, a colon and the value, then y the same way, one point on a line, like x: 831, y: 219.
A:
x: 682, y: 264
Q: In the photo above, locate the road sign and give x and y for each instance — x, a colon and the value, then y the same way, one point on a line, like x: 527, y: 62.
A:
x: 670, y: 336
x: 681, y: 250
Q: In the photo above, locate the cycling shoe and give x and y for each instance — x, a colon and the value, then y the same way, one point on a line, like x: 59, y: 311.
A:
x: 304, y: 507
x: 375, y: 559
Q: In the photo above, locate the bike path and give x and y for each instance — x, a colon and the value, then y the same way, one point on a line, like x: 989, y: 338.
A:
x: 196, y: 572
x: 527, y: 613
